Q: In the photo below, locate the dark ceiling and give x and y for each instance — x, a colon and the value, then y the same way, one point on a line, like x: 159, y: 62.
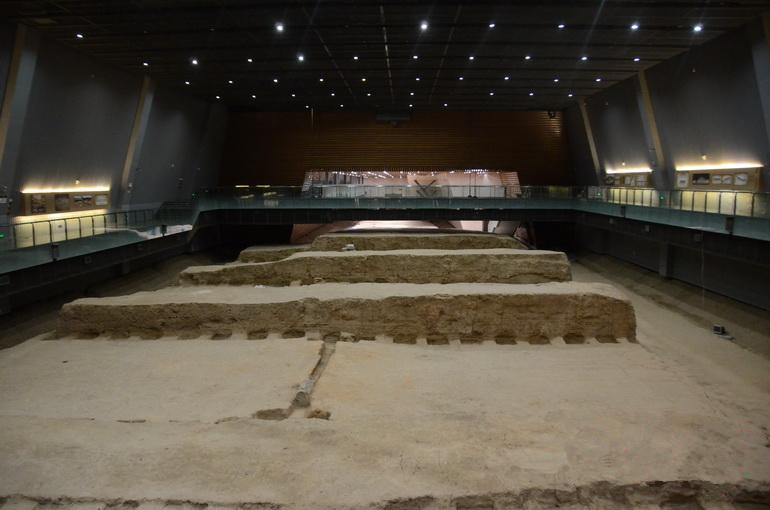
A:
x: 346, y: 42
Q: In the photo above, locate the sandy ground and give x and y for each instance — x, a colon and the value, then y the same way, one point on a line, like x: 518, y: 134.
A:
x: 410, y: 426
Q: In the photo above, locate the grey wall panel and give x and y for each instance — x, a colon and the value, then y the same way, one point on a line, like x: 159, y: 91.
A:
x: 707, y: 102
x: 78, y: 121
x: 617, y: 126
x: 7, y: 33
x: 580, y: 152
x: 181, y: 150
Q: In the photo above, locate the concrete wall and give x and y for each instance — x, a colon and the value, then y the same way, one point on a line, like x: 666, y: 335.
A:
x: 7, y: 33
x: 713, y: 99
x: 72, y: 119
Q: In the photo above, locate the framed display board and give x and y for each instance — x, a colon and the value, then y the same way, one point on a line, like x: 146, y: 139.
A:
x: 630, y: 180
x: 743, y: 179
x: 71, y: 201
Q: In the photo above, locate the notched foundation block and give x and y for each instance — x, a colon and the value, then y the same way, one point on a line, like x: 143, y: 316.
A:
x: 404, y: 312
x: 498, y: 265
x: 406, y: 241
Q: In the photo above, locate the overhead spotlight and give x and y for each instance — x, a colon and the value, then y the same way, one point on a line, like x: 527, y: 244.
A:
x: 355, y: 57
x: 528, y: 57
x: 584, y: 58
x: 569, y: 95
x: 79, y: 36
x: 507, y: 78
x: 230, y: 82
x: 424, y: 26
x: 598, y: 80
x: 635, y: 26
x: 320, y: 80
x: 307, y: 106
x: 531, y: 94
x: 368, y: 94
x: 417, y: 79
x: 637, y: 59
x: 697, y: 28
x: 411, y: 93
x: 217, y: 97
x: 249, y: 60
x: 461, y: 78
x: 279, y: 27
x: 445, y: 105
x: 363, y: 79
x: 560, y: 26
x: 194, y: 61
x: 294, y: 95
x: 275, y: 80
x: 186, y: 82
x: 491, y: 93
x: 410, y: 106
x: 301, y: 57
x: 556, y: 80
x: 471, y: 57
x: 415, y: 57
x: 332, y: 94
x: 146, y: 64
x: 491, y: 25
x: 253, y: 96
x: 342, y: 106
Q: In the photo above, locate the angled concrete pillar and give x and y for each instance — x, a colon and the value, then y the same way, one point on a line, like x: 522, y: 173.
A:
x: 591, y: 140
x: 14, y: 108
x: 760, y: 51
x: 135, y: 142
x: 657, y: 159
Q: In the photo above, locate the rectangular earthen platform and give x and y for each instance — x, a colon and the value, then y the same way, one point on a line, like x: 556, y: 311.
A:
x: 405, y: 312
x: 270, y: 253
x: 419, y: 240
x: 496, y: 265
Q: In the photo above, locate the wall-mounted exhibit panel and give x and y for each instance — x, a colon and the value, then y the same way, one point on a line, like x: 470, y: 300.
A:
x: 51, y: 201
x: 629, y: 180
x: 741, y: 179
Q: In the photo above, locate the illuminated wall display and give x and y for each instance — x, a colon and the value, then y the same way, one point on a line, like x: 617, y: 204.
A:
x: 65, y: 199
x: 722, y: 176
x: 628, y: 177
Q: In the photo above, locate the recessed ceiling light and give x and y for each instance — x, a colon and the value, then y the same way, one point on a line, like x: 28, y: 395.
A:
x: 415, y: 57
x: 342, y: 106
x: 275, y: 80
x: 249, y: 60
x: 307, y: 106
x: 507, y: 78
x: 471, y: 57
x: 194, y: 61
x: 368, y: 94
x: 637, y: 59
x: 461, y: 78
x: 79, y: 36
x: 584, y: 58
x: 491, y: 93
x: 531, y: 94
x: 560, y: 26
x: 355, y: 57
x: 216, y: 97
x: 635, y: 26
x: 528, y: 57
x: 186, y: 82
x: 363, y: 79
x: 424, y: 26
x: 697, y: 28
x: 417, y: 79
x: 321, y: 80
x: 445, y: 105
x: 253, y: 96
x: 294, y: 95
x: 491, y: 25
x: 279, y: 27
x: 301, y: 57
x: 332, y: 94
x: 410, y: 106
x: 146, y: 64
x: 598, y: 80
x: 411, y: 93
x: 556, y: 80
x: 569, y: 95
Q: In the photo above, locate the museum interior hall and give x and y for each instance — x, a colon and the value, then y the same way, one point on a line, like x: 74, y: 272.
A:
x: 384, y: 254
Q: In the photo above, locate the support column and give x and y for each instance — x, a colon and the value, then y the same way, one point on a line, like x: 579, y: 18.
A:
x: 760, y: 52
x: 657, y: 159
x: 14, y: 109
x: 135, y: 142
x: 591, y: 141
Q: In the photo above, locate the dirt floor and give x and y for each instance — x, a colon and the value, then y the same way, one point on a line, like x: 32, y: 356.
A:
x: 679, y: 420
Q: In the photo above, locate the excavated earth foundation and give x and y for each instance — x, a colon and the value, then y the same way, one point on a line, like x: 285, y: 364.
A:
x: 533, y: 313
x: 497, y: 265
x: 412, y: 241
x: 269, y: 253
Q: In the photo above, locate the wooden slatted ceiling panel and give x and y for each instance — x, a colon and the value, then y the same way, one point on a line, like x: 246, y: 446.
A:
x: 278, y: 148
